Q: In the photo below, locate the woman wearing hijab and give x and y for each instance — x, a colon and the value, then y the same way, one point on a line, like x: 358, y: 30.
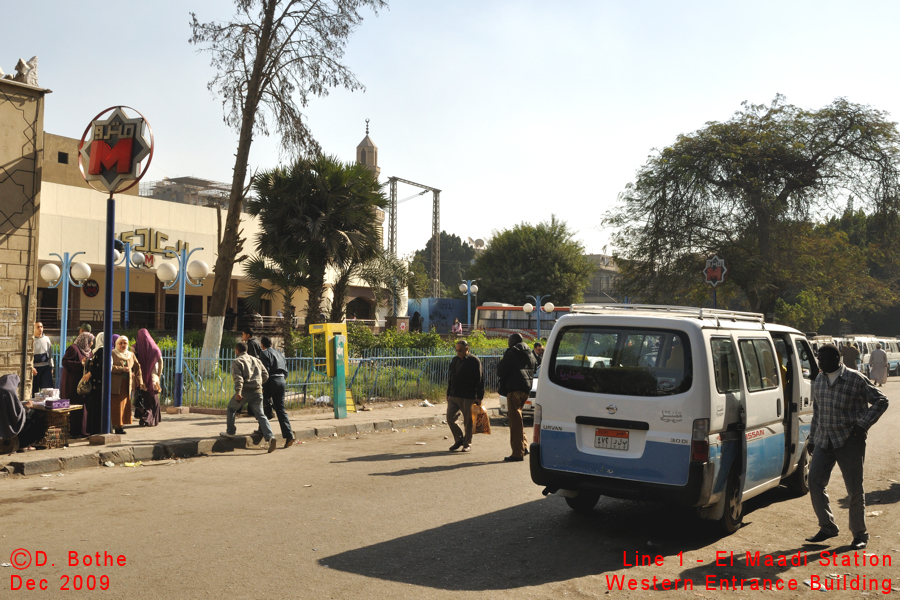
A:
x: 93, y: 402
x: 17, y: 427
x: 150, y: 358
x: 72, y: 372
x: 126, y: 376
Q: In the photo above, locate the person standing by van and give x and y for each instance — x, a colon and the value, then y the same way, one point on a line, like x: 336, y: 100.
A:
x: 516, y: 374
x: 845, y: 406
x: 878, y: 365
x: 850, y: 354
x: 465, y: 386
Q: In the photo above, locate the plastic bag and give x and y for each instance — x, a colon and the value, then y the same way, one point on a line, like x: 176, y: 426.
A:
x: 480, y: 419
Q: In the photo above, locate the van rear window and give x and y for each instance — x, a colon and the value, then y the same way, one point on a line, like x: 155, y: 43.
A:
x: 623, y: 361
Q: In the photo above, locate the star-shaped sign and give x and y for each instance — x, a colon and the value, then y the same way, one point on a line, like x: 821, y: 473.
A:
x: 715, y: 270
x: 112, y: 150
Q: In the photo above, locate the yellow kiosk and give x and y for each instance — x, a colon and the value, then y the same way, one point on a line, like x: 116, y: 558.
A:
x: 336, y: 364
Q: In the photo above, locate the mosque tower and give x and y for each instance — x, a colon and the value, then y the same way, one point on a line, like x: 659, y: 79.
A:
x: 367, y: 153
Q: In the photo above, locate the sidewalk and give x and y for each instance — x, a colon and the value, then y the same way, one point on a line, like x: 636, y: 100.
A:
x: 192, y: 434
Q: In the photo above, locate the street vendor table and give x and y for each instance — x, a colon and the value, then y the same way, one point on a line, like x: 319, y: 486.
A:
x: 57, y: 420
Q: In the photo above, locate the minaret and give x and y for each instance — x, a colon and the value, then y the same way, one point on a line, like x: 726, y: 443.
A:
x: 367, y: 153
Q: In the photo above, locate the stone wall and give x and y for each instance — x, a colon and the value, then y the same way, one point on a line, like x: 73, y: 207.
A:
x: 21, y: 160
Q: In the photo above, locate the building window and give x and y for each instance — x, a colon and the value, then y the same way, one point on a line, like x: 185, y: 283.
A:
x: 63, y: 158
x: 362, y: 156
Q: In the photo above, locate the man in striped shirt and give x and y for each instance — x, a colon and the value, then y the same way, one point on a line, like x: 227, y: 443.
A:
x: 845, y: 406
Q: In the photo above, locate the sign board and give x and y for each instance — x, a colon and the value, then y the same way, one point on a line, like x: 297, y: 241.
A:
x: 111, y: 150
x: 715, y: 270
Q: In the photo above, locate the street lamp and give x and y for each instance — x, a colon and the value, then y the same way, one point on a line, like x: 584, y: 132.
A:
x: 170, y: 276
x: 135, y: 259
x: 468, y: 288
x: 72, y: 273
x: 547, y: 308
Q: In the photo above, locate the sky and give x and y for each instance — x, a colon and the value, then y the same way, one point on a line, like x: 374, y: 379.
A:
x: 516, y: 109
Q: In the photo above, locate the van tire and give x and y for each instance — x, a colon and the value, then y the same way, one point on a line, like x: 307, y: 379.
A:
x: 584, y: 502
x: 734, y: 509
x: 798, y: 481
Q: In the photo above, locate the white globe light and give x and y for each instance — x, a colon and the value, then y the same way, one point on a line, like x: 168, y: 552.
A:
x: 463, y: 288
x: 198, y: 270
x: 50, y: 272
x: 116, y: 255
x: 166, y: 272
x: 474, y: 289
x: 527, y: 308
x: 81, y: 271
x: 548, y: 307
x: 137, y: 258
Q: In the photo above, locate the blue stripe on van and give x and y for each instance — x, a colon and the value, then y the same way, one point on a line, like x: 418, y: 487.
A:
x: 660, y: 463
x: 765, y: 458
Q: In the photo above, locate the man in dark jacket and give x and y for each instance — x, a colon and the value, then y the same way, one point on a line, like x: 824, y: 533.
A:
x: 516, y: 374
x: 253, y: 347
x: 465, y: 386
x: 273, y: 390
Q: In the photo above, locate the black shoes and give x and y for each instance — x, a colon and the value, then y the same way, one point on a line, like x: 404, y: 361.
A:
x: 821, y: 537
x: 120, y: 431
x: 514, y: 459
x: 456, y: 446
x: 859, y: 543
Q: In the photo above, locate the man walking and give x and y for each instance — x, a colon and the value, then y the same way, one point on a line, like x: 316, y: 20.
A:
x: 850, y: 354
x: 465, y: 387
x: 249, y: 375
x: 42, y: 367
x: 842, y: 416
x: 516, y: 374
x: 273, y: 390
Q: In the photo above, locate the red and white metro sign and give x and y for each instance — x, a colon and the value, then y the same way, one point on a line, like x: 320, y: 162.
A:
x: 111, y: 150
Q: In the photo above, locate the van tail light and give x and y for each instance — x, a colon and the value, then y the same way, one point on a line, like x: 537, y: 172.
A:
x: 537, y: 424
x: 700, y: 441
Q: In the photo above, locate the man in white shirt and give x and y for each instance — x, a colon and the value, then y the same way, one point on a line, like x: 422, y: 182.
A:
x: 42, y: 367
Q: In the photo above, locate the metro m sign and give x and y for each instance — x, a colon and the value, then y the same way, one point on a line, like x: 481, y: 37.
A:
x: 714, y: 272
x: 113, y: 150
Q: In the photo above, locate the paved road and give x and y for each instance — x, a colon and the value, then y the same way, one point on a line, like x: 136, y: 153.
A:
x: 384, y: 516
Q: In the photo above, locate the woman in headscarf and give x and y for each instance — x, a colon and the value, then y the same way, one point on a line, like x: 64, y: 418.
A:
x: 72, y: 372
x: 93, y: 402
x: 126, y: 376
x: 147, y: 401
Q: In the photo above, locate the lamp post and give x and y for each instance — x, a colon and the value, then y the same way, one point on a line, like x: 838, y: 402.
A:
x: 72, y: 273
x: 130, y: 259
x: 547, y: 308
x: 186, y: 274
x: 468, y: 288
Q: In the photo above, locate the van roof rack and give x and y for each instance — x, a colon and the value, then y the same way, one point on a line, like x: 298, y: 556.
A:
x: 681, y: 311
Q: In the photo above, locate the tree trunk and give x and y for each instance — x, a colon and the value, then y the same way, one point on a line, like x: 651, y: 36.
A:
x: 230, y: 244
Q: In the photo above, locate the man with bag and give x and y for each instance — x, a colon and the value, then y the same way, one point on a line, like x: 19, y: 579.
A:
x: 465, y: 387
x: 516, y: 374
x: 249, y: 375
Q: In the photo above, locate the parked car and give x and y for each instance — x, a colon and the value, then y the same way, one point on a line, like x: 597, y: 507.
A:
x: 528, y: 409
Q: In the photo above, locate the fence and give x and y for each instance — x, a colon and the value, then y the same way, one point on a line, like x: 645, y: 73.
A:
x: 376, y: 376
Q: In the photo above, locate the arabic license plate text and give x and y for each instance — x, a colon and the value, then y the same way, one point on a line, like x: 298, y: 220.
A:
x: 611, y: 439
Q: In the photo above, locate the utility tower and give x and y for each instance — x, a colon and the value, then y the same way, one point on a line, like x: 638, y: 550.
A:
x: 435, y: 230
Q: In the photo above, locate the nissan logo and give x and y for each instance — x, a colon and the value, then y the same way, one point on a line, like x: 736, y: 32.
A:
x: 611, y: 409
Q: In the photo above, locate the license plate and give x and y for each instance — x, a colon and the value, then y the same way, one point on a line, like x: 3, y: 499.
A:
x: 611, y: 439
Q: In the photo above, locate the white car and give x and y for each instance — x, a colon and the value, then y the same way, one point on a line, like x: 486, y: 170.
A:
x: 528, y: 409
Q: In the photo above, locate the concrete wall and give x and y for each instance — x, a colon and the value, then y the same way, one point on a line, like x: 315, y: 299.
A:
x: 21, y: 162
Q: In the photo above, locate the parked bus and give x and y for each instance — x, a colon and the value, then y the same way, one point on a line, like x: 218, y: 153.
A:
x: 499, y: 320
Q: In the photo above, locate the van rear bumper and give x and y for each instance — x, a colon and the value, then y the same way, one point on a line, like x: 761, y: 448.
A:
x: 696, y: 492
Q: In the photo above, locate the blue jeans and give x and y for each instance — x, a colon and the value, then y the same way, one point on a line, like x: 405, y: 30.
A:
x: 254, y: 405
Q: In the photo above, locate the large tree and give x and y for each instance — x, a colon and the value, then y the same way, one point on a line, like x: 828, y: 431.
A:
x: 270, y: 59
x: 748, y: 189
x: 456, y: 263
x: 320, y: 214
x: 542, y: 259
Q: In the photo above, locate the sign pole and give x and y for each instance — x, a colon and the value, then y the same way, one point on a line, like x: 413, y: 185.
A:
x: 108, y: 316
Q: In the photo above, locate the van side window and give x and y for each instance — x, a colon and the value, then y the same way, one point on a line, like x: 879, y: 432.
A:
x: 759, y: 364
x: 725, y: 365
x: 629, y: 361
x: 807, y: 363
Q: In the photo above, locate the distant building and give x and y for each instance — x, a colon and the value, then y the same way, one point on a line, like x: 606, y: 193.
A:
x: 188, y: 190
x: 602, y: 287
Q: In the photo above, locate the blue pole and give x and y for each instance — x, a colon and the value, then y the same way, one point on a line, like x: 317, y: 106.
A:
x: 64, y: 321
x: 179, y: 344
x: 127, y: 279
x: 108, y: 316
x: 469, y: 296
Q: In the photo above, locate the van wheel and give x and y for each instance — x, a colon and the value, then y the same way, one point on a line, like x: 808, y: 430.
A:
x: 584, y: 502
x: 798, y: 481
x: 734, y: 509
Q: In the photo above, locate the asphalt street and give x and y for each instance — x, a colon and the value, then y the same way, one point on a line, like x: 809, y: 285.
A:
x: 395, y: 515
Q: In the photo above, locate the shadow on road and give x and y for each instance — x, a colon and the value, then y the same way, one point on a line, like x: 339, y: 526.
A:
x: 527, y: 545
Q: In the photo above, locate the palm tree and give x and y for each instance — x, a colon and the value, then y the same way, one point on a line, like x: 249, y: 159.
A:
x: 271, y: 277
x: 318, y: 214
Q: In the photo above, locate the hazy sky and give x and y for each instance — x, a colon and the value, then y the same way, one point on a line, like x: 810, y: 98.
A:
x: 515, y: 109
